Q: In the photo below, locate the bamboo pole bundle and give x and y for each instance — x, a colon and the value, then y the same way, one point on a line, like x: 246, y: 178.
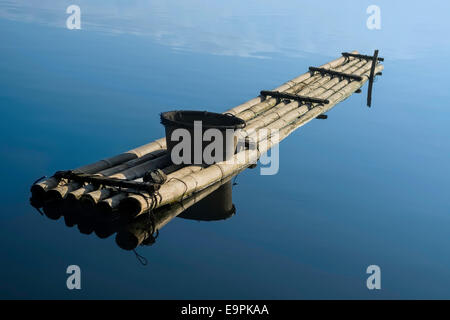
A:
x: 139, y: 229
x: 107, y: 205
x: 313, y: 90
x: 76, y: 194
x: 91, y: 198
x: 291, y: 113
x: 74, y: 190
x: 242, y: 107
x: 112, y: 197
x: 39, y: 189
x: 269, y: 103
x: 295, y: 109
x: 252, y: 114
x: 175, y: 190
x: 337, y: 97
x: 326, y: 94
x: 334, y: 99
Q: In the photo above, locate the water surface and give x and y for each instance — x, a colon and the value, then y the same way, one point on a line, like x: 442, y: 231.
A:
x: 367, y: 186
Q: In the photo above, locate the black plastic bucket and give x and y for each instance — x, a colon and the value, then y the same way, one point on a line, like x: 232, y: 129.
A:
x: 225, y: 123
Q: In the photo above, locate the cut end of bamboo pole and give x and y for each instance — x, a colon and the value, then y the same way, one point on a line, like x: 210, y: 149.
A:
x: 87, y: 202
x: 131, y: 206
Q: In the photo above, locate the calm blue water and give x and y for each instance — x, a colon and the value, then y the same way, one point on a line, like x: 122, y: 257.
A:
x: 366, y: 186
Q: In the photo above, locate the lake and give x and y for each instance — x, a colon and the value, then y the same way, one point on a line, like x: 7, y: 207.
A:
x: 367, y: 186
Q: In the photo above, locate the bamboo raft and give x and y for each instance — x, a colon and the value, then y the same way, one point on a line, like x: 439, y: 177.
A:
x: 119, y: 185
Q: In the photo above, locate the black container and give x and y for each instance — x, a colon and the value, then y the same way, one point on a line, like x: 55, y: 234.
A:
x: 173, y: 120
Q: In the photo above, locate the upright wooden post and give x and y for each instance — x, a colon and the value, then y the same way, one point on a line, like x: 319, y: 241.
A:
x: 371, y: 77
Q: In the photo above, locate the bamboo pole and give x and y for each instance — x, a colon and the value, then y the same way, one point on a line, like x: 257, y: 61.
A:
x: 177, y: 189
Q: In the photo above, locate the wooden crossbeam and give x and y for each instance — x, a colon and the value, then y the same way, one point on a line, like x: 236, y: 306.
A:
x: 291, y: 96
x: 360, y: 56
x: 324, y: 71
x: 105, y: 181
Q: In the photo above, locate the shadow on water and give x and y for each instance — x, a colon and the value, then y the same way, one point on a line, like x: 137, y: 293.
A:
x: 211, y: 204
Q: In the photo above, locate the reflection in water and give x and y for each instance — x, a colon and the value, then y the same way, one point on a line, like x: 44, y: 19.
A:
x: 216, y: 206
x: 211, y: 204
